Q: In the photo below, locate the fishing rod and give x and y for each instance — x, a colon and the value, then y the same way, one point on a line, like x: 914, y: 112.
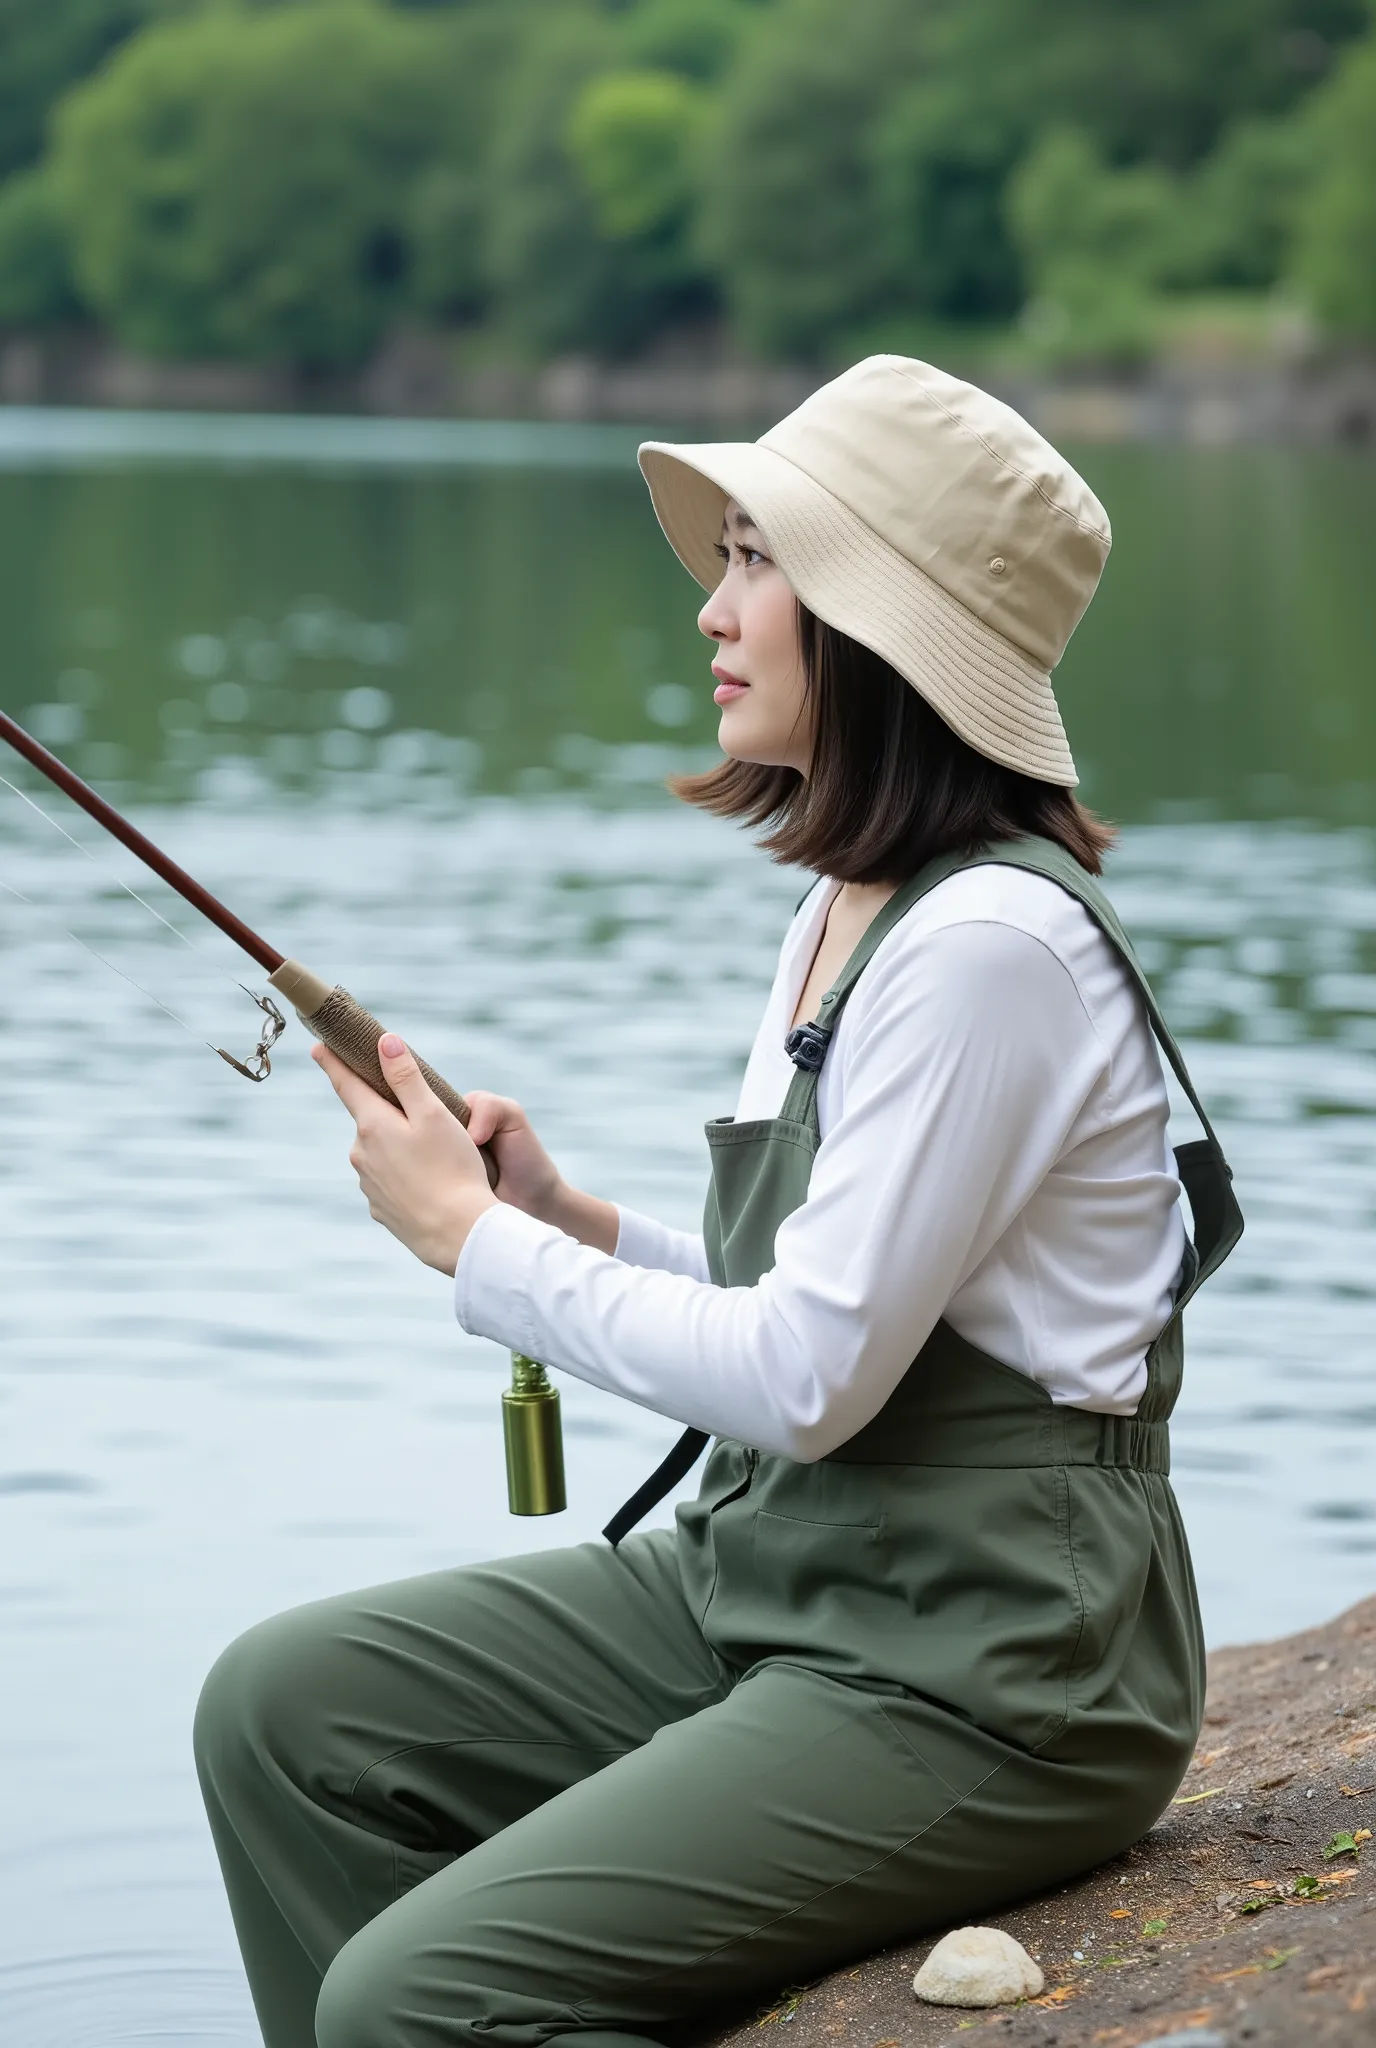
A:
x: 531, y: 1428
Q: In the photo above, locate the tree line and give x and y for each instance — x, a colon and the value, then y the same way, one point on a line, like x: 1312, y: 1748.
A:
x: 284, y: 180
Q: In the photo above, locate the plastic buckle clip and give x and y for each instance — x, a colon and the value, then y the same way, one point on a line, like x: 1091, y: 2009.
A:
x: 807, y: 1046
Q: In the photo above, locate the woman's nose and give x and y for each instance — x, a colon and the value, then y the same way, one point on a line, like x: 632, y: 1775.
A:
x: 716, y: 620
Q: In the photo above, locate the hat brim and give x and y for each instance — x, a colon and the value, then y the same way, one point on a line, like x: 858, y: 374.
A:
x: 987, y: 690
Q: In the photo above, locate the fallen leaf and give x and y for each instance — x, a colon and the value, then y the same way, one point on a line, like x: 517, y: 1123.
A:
x: 1274, y: 1959
x: 1059, y: 1996
x: 1306, y: 1886
x: 1356, y: 1791
x: 1193, y: 1798
x: 1153, y: 1927
x: 1271, y: 1784
x: 1261, y: 1884
x: 1316, y: 1978
x: 1338, y: 1877
x: 1342, y: 1844
x: 1121, y: 1913
x: 1362, y: 1835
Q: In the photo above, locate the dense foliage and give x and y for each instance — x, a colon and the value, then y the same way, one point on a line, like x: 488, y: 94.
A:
x: 284, y: 179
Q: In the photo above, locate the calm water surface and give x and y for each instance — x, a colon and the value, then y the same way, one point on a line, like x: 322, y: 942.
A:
x: 406, y: 697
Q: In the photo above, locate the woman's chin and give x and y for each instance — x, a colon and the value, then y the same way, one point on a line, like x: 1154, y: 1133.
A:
x: 744, y: 739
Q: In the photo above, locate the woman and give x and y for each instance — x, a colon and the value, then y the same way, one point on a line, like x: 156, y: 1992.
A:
x: 927, y: 1638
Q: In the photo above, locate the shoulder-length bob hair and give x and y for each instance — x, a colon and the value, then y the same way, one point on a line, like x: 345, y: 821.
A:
x: 892, y: 787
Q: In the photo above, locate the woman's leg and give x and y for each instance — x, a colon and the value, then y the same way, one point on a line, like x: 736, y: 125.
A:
x: 791, y: 1826
x: 351, y: 1749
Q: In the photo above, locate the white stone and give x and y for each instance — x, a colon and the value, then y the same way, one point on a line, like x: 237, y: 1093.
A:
x: 978, y: 1966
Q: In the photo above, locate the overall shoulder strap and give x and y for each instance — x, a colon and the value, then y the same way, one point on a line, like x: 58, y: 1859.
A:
x: 800, y: 1102
x: 1205, y: 1173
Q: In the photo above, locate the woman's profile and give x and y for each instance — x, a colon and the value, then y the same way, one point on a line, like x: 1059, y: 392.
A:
x: 926, y: 1639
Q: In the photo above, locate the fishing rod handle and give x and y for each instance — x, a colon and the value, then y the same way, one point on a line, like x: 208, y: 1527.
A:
x: 342, y: 1023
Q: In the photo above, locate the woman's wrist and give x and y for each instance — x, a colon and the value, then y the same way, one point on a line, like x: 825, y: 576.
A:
x: 454, y: 1230
x: 585, y: 1217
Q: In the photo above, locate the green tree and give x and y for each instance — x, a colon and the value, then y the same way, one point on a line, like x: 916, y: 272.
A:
x: 36, y: 287
x: 45, y: 47
x: 1097, y: 244
x: 942, y: 165
x: 695, y: 38
x: 795, y: 216
x: 241, y: 184
x: 633, y: 138
x: 579, y: 260
x: 1336, y: 240
x: 1241, y: 210
x: 1147, y: 80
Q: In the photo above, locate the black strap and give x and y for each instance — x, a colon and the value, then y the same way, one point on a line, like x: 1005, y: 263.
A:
x: 662, y: 1480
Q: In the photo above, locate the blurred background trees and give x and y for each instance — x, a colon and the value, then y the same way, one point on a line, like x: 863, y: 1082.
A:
x: 286, y: 180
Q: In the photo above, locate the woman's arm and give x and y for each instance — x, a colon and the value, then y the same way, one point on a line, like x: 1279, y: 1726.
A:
x: 530, y: 1181
x: 422, y: 1175
x: 964, y: 1077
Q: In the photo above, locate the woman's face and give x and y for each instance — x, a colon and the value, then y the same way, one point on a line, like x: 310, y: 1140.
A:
x: 761, y: 681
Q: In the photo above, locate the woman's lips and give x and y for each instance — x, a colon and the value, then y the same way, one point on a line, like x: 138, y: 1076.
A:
x: 728, y: 688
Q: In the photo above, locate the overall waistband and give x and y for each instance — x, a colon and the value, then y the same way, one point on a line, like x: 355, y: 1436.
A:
x: 958, y: 1406
x: 1065, y: 1436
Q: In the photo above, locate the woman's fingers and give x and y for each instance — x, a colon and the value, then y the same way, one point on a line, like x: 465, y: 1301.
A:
x: 355, y: 1094
x: 489, y: 1114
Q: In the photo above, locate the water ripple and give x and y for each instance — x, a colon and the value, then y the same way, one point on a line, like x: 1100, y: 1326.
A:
x: 105, y: 2000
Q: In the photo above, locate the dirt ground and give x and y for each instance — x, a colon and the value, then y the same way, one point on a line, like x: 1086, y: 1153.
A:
x: 1229, y: 1916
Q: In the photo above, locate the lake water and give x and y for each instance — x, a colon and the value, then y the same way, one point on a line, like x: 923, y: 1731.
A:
x: 405, y: 697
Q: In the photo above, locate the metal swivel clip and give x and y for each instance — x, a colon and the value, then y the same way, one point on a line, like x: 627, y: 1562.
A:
x: 258, y: 1065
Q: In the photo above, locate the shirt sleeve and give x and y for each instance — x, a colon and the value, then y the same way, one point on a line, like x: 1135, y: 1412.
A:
x: 966, y: 1066
x: 643, y: 1242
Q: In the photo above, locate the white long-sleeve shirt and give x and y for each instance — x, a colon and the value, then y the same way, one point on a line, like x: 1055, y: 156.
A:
x: 993, y: 1150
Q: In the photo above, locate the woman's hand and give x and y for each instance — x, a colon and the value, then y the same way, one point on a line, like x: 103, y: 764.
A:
x: 527, y: 1177
x: 422, y: 1173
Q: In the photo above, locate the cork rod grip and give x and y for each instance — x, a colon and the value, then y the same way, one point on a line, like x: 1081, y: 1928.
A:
x: 342, y: 1023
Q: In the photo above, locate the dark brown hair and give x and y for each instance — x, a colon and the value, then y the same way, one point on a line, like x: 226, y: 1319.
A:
x: 892, y: 786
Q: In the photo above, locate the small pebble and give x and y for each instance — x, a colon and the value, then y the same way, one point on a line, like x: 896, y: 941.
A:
x: 975, y: 1966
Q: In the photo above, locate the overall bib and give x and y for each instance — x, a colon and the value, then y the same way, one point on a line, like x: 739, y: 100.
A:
x: 588, y: 1794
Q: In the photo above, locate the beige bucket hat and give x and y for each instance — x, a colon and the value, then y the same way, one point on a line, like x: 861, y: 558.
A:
x: 928, y: 521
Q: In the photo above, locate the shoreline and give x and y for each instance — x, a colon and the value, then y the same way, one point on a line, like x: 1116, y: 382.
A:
x: 1227, y: 1917
x: 1187, y: 400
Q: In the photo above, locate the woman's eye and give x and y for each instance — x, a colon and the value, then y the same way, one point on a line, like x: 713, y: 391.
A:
x: 720, y: 549
x: 753, y: 555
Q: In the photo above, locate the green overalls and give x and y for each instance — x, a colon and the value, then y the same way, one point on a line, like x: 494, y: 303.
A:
x: 590, y: 1793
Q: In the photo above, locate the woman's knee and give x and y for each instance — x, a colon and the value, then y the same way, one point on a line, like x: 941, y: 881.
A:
x: 261, y: 1695
x: 364, y: 1999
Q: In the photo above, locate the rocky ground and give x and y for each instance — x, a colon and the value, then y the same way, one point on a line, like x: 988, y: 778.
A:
x: 1241, y: 1916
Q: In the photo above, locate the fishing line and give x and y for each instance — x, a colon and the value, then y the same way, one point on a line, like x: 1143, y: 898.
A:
x: 107, y: 869
x: 86, y: 946
x: 258, y: 1065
